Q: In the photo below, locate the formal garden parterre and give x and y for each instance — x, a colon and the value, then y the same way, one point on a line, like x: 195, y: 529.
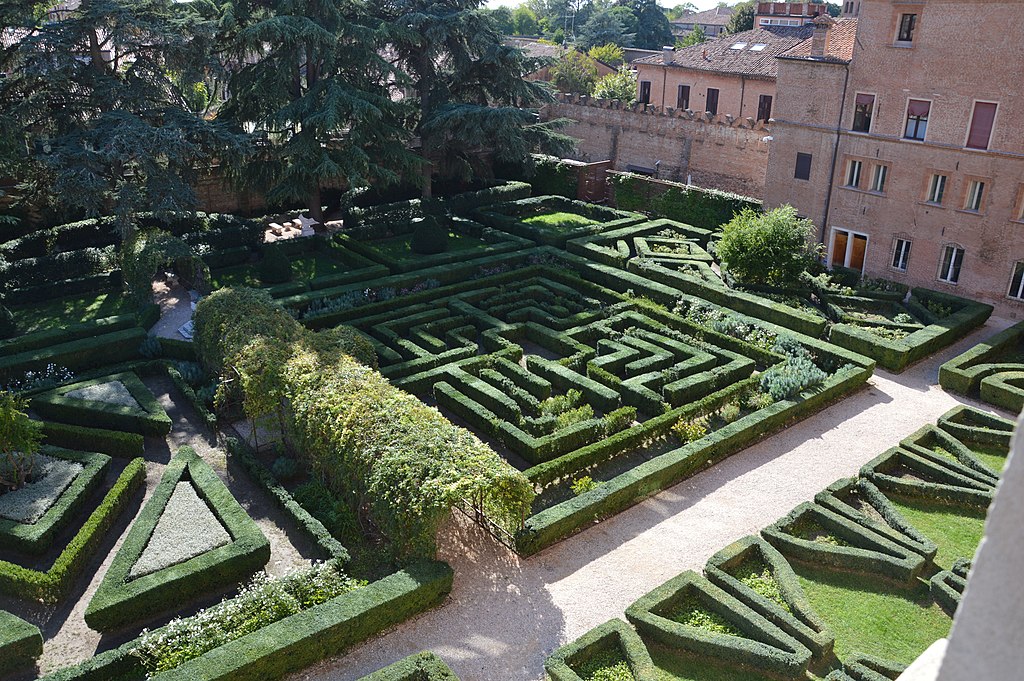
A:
x: 538, y: 363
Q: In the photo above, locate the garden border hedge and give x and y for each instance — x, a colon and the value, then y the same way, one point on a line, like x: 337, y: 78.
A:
x: 118, y: 602
x: 492, y: 216
x: 21, y: 643
x: 613, y: 633
x: 964, y: 373
x: 425, y: 666
x: 112, y: 442
x: 949, y: 487
x: 78, y: 355
x: 148, y: 419
x: 36, y: 537
x: 52, y: 585
x: 986, y: 429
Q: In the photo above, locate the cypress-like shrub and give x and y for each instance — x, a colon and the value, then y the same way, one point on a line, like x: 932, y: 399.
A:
x: 430, y: 236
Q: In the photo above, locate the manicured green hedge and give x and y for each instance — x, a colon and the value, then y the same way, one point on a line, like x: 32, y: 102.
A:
x: 857, y: 549
x: 52, y: 585
x: 614, y: 638
x: 65, y: 334
x: 20, y: 643
x: 897, y: 355
x: 763, y: 646
x: 424, y: 666
x: 506, y: 217
x: 937, y: 445
x: 964, y: 373
x: 947, y: 587
x: 77, y: 355
x: 797, y: 618
x: 112, y: 442
x: 705, y: 208
x: 203, y: 411
x: 322, y: 631
x: 241, y: 451
x: 118, y: 601
x: 862, y: 667
x: 930, y: 478
x: 969, y: 424
x: 553, y: 176
x: 37, y: 537
x: 149, y: 418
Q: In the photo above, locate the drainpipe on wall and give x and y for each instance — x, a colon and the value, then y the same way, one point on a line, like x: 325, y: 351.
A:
x: 835, y: 158
x: 743, y: 89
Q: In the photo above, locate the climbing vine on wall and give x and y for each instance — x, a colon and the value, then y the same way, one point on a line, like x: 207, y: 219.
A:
x: 697, y: 206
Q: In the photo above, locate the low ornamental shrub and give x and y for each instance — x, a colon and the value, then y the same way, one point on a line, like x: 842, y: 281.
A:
x: 285, y: 468
x: 788, y: 379
x: 583, y: 485
x: 690, y: 429
x: 767, y: 248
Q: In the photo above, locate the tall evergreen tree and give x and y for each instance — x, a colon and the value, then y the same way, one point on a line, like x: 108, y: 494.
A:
x: 467, y: 88
x: 653, y: 30
x: 96, y: 111
x: 314, y: 87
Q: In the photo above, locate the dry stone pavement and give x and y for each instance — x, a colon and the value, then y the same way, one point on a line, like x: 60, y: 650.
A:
x: 506, y: 614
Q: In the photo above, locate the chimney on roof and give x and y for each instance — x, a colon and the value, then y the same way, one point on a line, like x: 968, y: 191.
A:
x: 668, y: 54
x: 819, y: 38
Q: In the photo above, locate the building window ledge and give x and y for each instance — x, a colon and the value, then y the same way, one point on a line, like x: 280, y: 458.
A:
x: 858, y: 190
x: 931, y: 204
x: 976, y: 213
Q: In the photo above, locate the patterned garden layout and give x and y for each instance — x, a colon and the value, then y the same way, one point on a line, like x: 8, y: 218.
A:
x: 599, y: 353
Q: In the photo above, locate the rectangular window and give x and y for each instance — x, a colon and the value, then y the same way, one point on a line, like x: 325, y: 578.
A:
x: 952, y: 261
x: 683, y: 97
x: 936, y: 189
x: 712, y: 107
x: 645, y: 92
x: 975, y: 195
x: 853, y: 174
x: 1017, y: 282
x: 908, y: 22
x: 981, y: 125
x: 803, y: 166
x: 878, y: 178
x: 917, y: 119
x: 764, y: 107
x: 900, y: 254
x: 863, y: 107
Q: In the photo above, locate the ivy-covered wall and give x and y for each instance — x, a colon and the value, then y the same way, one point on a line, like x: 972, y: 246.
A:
x: 704, y: 208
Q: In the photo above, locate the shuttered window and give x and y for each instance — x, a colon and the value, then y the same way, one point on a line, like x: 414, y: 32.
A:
x: 981, y: 125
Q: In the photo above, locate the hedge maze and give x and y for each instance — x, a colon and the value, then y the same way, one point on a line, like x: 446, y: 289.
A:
x: 789, y: 601
x: 992, y: 370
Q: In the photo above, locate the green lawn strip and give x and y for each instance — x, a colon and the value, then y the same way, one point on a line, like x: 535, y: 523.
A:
x: 956, y: 531
x: 671, y: 666
x: 870, y: 617
x: 397, y: 248
x: 993, y: 456
x: 71, y: 310
x: 559, y: 221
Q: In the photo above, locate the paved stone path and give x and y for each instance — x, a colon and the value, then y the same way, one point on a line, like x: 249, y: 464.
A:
x: 506, y: 614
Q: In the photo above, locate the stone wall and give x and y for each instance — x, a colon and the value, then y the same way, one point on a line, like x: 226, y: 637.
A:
x: 719, y: 152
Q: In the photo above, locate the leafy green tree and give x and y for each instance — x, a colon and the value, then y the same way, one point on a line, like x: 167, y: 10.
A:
x: 503, y: 20
x: 653, y: 31
x: 575, y: 73
x: 742, y: 19
x: 314, y: 89
x: 694, y: 37
x: 768, y: 248
x: 679, y: 11
x: 19, y: 441
x: 603, y: 28
x: 466, y: 90
x: 524, y: 21
x: 610, y: 54
x: 621, y: 85
x: 101, y: 113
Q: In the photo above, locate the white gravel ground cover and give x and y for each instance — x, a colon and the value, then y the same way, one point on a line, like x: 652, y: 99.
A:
x: 186, y: 529
x: 113, y: 392
x: 28, y: 504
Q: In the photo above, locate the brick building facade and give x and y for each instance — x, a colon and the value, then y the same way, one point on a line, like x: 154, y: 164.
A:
x: 908, y: 153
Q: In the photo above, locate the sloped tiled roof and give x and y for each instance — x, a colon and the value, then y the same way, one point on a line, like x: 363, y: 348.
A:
x: 749, y: 53
x: 717, y: 16
x: 536, y: 49
x: 838, y: 48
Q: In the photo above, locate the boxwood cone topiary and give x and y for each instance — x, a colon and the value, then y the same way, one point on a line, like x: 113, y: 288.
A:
x: 430, y: 236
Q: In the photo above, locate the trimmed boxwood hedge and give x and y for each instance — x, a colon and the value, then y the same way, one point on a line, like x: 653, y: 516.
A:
x: 77, y: 355
x: 857, y: 549
x: 762, y: 646
x: 862, y: 667
x: 118, y: 601
x: 52, y: 585
x: 614, y: 636
x: 112, y: 442
x: 20, y: 643
x: 947, y: 587
x: 798, y: 618
x: 149, y: 418
x: 425, y: 666
x: 938, y: 445
x: 969, y: 424
x: 964, y: 373
x: 931, y: 479
x: 506, y: 217
x: 65, y: 334
x: 36, y: 537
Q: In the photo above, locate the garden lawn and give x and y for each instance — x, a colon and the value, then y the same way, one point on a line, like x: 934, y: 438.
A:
x: 398, y: 248
x: 871, y: 617
x: 993, y: 457
x: 956, y: 531
x: 674, y: 667
x: 63, y: 312
x: 559, y: 221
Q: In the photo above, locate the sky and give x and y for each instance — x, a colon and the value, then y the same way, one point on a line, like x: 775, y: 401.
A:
x: 701, y: 4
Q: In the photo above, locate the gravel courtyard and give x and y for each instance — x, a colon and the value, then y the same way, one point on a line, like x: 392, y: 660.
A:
x: 506, y: 614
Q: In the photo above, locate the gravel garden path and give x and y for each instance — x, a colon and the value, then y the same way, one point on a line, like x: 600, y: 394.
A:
x: 506, y: 614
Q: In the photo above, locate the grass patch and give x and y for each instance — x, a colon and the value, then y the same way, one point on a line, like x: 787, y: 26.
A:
x: 559, y: 221
x: 305, y: 268
x: 691, y: 612
x: 671, y: 666
x: 956, y: 531
x: 874, y: 618
x: 759, y: 578
x: 62, y: 312
x: 398, y: 248
x: 609, y: 665
x: 992, y: 456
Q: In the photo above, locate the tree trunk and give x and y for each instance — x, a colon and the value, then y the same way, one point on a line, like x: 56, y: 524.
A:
x: 427, y: 173
x: 316, y: 210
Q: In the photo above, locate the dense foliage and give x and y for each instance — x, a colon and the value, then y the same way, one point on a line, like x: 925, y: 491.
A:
x: 574, y: 73
x: 19, y: 441
x: 144, y: 253
x: 621, y: 85
x: 771, y: 248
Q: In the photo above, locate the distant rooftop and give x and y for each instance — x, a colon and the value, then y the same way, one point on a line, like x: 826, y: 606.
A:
x: 838, y: 48
x: 718, y: 16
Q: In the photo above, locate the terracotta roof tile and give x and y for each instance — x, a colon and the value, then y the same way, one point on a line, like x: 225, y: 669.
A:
x: 838, y: 47
x: 717, y: 16
x: 756, y: 57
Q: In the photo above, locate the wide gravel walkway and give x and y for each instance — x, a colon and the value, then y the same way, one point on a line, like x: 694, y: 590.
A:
x: 506, y: 614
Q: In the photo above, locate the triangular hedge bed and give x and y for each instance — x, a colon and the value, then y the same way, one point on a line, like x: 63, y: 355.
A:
x: 121, y: 600
x: 148, y: 418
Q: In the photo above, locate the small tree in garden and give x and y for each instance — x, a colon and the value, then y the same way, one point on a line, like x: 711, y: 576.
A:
x: 768, y: 248
x: 620, y: 85
x: 19, y: 442
x: 574, y: 73
x: 610, y: 53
